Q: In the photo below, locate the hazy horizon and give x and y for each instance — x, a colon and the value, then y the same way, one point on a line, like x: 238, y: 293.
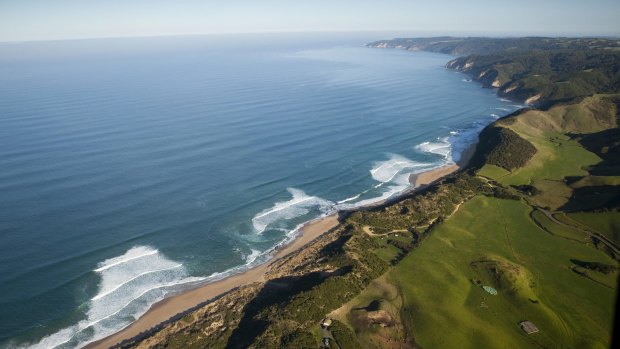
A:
x: 36, y: 20
x: 378, y: 35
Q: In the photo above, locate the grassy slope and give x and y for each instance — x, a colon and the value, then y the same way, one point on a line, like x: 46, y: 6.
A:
x: 431, y: 297
x: 439, y: 297
x: 492, y: 172
x: 536, y: 264
x: 546, y: 224
x: 558, y: 156
x: 606, y: 223
x: 438, y: 302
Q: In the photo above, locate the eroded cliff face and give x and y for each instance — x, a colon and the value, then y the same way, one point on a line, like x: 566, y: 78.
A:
x: 212, y: 324
x: 496, y: 76
x: 316, y: 279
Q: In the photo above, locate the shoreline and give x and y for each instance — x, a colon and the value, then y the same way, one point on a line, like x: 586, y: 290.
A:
x: 423, y: 179
x: 167, y: 308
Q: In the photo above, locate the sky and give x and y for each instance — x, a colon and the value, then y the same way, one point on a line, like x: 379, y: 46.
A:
x: 26, y: 20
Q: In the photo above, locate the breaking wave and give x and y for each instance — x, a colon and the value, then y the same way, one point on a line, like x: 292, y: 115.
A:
x: 299, y: 205
x: 393, y: 177
x: 441, y: 147
x: 392, y: 170
x: 129, y: 284
x: 253, y: 256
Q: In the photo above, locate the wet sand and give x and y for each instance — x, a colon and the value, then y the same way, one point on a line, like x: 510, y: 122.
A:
x: 169, y: 307
x: 422, y: 179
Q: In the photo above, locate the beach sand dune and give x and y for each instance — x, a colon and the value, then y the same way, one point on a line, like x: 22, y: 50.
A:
x: 169, y: 307
x: 418, y: 180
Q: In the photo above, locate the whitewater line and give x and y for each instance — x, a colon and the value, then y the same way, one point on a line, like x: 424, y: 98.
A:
x: 390, y: 165
x: 349, y: 199
x: 105, y: 267
x: 119, y: 310
x: 99, y: 296
x: 292, y: 203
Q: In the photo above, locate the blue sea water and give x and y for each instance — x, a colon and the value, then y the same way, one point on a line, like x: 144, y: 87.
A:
x: 135, y: 168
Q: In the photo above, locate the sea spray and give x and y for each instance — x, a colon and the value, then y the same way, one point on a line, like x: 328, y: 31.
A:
x: 441, y: 147
x: 388, y: 170
x: 109, y: 164
x: 129, y: 284
x: 299, y: 205
x: 393, y: 177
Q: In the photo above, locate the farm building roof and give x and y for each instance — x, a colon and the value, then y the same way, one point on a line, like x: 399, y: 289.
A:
x: 528, y: 327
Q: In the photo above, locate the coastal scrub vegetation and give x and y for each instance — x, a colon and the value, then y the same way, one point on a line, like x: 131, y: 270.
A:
x: 458, y: 46
x: 528, y: 231
x: 541, y: 71
x: 502, y: 147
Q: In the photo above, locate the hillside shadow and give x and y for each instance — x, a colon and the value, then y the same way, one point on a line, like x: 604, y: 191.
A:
x: 593, y: 197
x: 276, y: 291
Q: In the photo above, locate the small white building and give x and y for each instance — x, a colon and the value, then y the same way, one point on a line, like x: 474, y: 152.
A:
x: 326, y: 322
x: 528, y: 327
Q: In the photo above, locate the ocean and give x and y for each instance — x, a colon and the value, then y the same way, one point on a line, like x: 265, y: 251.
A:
x: 135, y: 168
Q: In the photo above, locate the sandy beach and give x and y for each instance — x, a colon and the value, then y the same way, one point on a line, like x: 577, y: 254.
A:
x: 169, y: 307
x: 418, y: 180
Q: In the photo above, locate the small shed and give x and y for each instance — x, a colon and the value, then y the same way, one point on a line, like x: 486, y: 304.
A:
x: 528, y: 327
x: 326, y: 322
x: 490, y: 290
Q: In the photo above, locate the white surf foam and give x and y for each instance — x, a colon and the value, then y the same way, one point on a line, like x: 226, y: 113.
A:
x: 134, y: 253
x: 464, y: 138
x: 352, y: 198
x: 386, y: 171
x: 254, y: 254
x: 440, y: 147
x: 299, y: 205
x: 393, y: 177
x: 386, y: 194
x: 129, y: 285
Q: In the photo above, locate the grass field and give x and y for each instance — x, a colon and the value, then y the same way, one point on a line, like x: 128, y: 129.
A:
x: 492, y: 172
x: 379, y: 298
x: 606, y: 223
x: 557, y: 230
x: 494, y: 241
x: 559, y: 168
x: 553, y: 194
x: 596, y: 181
x: 557, y: 157
x: 544, y: 272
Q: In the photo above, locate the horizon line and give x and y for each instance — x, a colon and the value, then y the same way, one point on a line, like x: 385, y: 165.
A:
x: 463, y: 34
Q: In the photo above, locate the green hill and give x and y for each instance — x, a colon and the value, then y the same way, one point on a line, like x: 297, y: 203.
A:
x: 527, y: 232
x: 541, y: 71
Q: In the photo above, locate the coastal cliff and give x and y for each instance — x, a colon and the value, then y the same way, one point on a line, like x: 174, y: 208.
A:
x: 537, y: 71
x: 546, y: 78
x: 533, y: 215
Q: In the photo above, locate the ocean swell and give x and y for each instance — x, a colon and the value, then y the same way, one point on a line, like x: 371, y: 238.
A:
x: 129, y: 284
x: 299, y: 205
